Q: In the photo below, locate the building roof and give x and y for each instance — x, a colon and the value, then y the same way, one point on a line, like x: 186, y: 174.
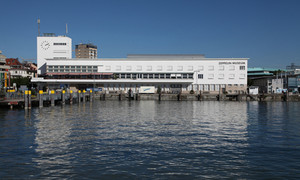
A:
x: 264, y: 69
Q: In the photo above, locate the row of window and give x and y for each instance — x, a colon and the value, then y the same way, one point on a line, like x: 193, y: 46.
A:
x: 221, y: 76
x: 171, y: 68
x: 71, y: 70
x: 154, y: 76
x: 73, y: 67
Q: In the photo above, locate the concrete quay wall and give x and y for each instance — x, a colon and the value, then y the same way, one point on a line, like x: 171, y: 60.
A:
x: 197, y: 97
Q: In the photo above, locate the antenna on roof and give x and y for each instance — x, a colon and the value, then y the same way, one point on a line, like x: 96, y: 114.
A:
x: 39, y: 21
x: 66, y: 28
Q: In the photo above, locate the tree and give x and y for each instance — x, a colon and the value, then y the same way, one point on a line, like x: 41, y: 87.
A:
x: 21, y: 81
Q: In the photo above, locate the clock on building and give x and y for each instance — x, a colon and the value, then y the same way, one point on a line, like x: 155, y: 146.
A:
x: 45, y: 45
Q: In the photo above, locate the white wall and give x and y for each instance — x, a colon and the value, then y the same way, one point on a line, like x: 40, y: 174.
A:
x: 215, y: 71
x: 46, y: 49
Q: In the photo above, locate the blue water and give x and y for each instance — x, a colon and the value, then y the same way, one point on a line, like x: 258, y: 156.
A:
x: 152, y: 140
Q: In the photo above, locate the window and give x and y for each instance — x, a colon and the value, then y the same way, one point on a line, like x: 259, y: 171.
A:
x: 184, y: 76
x: 190, y: 68
x: 159, y: 68
x: 150, y: 76
x: 161, y: 76
x: 55, y: 66
x: 169, y: 68
x: 242, y: 76
x: 107, y: 68
x: 205, y: 87
x: 210, y: 76
x: 149, y: 68
x: 156, y: 76
x: 236, y: 85
x: 221, y: 76
x: 190, y: 76
x: 122, y: 76
x: 229, y: 85
x: 118, y: 68
x: 128, y: 76
x: 200, y: 68
x: 242, y: 68
x: 231, y: 67
x: 128, y: 68
x: 231, y: 76
x: 210, y: 68
x: 242, y: 85
x: 168, y: 76
x: 179, y: 68
x: 200, y: 76
x: 145, y: 76
x: 221, y: 68
x: 139, y: 68
x: 50, y: 66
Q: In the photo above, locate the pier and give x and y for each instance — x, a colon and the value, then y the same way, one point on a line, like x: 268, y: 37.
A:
x: 26, y: 100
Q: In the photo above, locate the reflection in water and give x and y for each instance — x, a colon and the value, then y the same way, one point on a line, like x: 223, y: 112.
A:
x: 149, y: 139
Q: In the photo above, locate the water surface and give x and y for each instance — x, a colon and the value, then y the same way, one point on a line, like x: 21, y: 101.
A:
x: 152, y: 140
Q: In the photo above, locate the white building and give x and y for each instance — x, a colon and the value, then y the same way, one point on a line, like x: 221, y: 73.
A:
x: 53, y: 47
x: 170, y: 72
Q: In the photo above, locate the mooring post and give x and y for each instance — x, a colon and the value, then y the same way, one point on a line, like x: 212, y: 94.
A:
x: 120, y: 96
x: 52, y: 97
x: 83, y: 95
x: 91, y: 95
x: 41, y: 98
x: 26, y: 99
x: 137, y: 97
x: 63, y: 98
x: 29, y: 99
x: 220, y: 97
x: 71, y: 97
x: 79, y: 98
x: 179, y: 97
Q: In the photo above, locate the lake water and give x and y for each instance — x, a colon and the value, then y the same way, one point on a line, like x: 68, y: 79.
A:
x: 152, y: 140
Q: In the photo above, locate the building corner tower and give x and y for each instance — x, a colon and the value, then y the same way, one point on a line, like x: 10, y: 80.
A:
x: 50, y: 46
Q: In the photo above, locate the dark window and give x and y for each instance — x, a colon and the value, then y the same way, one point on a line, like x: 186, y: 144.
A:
x: 200, y: 76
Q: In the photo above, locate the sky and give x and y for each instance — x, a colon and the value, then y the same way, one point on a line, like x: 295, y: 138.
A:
x: 266, y: 31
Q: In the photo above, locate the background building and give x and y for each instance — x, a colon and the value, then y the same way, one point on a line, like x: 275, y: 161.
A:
x: 88, y: 51
x: 17, y: 69
x: 3, y: 71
